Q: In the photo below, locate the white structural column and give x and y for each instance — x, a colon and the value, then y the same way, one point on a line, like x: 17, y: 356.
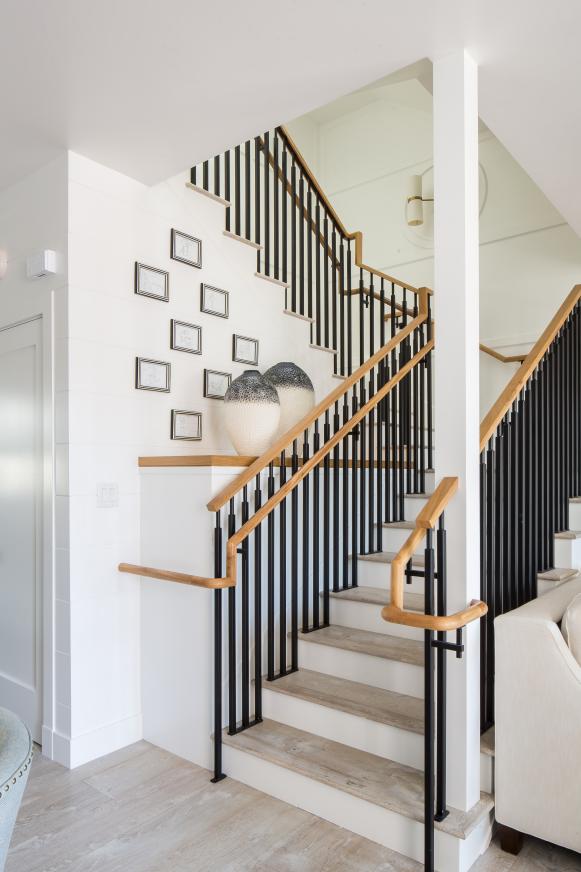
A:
x: 456, y: 390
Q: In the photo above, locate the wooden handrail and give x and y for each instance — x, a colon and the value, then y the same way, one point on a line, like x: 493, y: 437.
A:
x: 272, y: 453
x: 497, y: 412
x: 503, y: 358
x: 179, y: 577
x: 271, y: 504
x: 426, y: 520
x: 356, y: 235
x: 234, y: 541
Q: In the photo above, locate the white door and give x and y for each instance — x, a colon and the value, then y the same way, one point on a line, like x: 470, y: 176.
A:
x: 21, y: 522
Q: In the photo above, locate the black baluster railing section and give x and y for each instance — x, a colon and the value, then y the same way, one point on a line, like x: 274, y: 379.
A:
x: 275, y: 202
x: 529, y: 471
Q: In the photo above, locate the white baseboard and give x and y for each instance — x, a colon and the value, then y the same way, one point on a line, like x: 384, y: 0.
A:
x: 74, y: 751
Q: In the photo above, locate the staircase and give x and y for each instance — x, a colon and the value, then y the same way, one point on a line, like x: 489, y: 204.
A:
x: 331, y: 631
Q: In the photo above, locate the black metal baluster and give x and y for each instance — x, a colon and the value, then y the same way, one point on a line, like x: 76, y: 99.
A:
x: 295, y: 562
x: 231, y: 636
x: 441, y: 676
x: 354, y: 494
x: 336, y: 505
x: 227, y: 186
x: 218, y: 774
x: 284, y: 203
x: 326, y: 282
x: 345, y: 509
x: 318, y: 306
x: 257, y: 150
x: 294, y: 237
x: 270, y: 665
x: 217, y: 175
x: 309, y: 252
x: 316, y: 527
x: 206, y: 176
x: 306, y: 536
x: 245, y: 618
x: 347, y: 291
x: 275, y: 208
x: 247, y: 194
x: 326, y: 522
x: 258, y: 605
x: 266, y: 185
x: 282, y: 570
x: 237, y: 201
x: 342, y: 291
x: 302, y: 241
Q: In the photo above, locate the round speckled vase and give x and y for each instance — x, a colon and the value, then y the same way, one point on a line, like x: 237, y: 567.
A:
x: 251, y: 413
x: 295, y: 391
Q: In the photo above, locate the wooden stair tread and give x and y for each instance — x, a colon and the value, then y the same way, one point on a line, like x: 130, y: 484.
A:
x: 364, y: 642
x: 388, y: 556
x: 399, y: 525
x: 557, y: 574
x: 568, y: 534
x: 378, y: 596
x: 374, y: 779
x: 372, y: 703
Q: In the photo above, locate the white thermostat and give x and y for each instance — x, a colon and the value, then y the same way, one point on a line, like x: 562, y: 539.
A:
x: 43, y: 263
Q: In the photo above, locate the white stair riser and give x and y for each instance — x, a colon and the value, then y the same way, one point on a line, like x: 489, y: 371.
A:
x: 487, y: 773
x: 385, y: 827
x: 575, y: 516
x: 568, y: 553
x: 544, y: 587
x: 413, y: 506
x: 366, y: 616
x: 358, y: 732
x: 392, y: 539
x: 364, y: 668
x: 371, y: 573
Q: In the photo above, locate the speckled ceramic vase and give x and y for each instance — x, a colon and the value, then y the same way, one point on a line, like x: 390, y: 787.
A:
x: 295, y: 391
x: 251, y: 413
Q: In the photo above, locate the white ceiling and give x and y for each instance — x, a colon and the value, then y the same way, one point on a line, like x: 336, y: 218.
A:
x: 150, y: 87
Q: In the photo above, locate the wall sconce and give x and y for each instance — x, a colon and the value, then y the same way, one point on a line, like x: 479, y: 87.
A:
x: 415, y: 201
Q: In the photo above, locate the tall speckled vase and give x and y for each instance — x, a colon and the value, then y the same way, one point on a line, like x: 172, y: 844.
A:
x: 295, y: 391
x: 251, y: 413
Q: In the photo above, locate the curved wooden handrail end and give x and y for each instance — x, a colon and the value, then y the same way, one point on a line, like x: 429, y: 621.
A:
x: 178, y: 577
x: 438, y: 623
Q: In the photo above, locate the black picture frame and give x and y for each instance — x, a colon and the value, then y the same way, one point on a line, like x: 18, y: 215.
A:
x: 176, y: 235
x: 237, y: 355
x: 205, y: 305
x: 142, y: 268
x: 140, y: 383
x: 207, y: 392
x: 175, y: 326
x: 175, y: 415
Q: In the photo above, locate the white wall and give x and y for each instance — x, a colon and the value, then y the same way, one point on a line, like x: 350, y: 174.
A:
x: 529, y: 257
x: 114, y: 221
x: 33, y: 216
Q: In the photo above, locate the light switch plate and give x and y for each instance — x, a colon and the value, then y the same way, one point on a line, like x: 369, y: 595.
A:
x: 107, y: 495
x: 42, y: 263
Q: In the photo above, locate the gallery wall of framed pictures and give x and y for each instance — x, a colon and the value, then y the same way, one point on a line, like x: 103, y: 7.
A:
x: 153, y: 282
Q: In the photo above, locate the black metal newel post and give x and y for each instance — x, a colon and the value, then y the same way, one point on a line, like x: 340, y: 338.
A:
x: 218, y: 774
x: 429, y: 709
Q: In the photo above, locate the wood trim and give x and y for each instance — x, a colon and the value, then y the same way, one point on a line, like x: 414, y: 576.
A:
x: 499, y: 409
x: 295, y: 432
x: 426, y: 520
x: 179, y: 577
x: 265, y: 510
x: 197, y: 460
x: 503, y: 358
x: 236, y: 460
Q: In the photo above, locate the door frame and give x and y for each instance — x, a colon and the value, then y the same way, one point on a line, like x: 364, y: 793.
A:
x: 46, y: 566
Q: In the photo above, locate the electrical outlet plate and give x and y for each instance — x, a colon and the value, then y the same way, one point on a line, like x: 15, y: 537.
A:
x: 107, y: 495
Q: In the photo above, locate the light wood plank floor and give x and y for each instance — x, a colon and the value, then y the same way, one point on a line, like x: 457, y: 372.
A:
x: 144, y: 810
